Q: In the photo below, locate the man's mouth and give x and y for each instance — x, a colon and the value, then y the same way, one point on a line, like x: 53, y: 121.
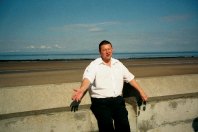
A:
x: 107, y: 55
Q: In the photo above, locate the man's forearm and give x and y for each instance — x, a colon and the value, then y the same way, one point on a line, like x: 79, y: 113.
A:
x: 85, y: 85
x: 137, y: 86
x: 80, y: 92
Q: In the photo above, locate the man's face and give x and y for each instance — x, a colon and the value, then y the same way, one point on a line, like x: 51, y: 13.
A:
x: 106, y: 52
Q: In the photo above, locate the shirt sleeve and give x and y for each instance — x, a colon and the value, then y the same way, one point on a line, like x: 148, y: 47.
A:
x: 128, y: 76
x: 89, y: 73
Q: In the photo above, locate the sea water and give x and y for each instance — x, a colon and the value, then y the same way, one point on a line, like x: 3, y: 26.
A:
x: 73, y: 56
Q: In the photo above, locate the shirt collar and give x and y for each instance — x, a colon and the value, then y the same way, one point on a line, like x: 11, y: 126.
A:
x: 113, y: 61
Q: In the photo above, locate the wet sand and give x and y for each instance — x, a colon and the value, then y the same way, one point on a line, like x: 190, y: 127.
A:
x: 21, y: 73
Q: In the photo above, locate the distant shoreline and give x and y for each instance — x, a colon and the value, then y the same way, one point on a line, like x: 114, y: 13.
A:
x: 91, y: 56
x: 180, y: 57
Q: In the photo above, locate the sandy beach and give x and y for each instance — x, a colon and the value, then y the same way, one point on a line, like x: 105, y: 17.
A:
x: 21, y: 73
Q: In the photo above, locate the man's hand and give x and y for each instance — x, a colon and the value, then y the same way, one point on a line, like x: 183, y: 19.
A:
x: 74, y: 106
x: 144, y: 97
x: 78, y: 94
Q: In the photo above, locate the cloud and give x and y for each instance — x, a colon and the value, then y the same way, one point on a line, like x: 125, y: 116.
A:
x: 91, y: 27
x: 57, y: 46
x: 43, y: 47
x: 96, y: 29
x: 175, y: 18
x: 31, y: 47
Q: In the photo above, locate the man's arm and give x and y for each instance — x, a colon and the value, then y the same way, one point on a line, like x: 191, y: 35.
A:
x: 137, y: 86
x: 79, y: 93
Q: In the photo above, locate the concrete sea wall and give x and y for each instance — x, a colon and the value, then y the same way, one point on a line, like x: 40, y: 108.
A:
x: 172, y: 106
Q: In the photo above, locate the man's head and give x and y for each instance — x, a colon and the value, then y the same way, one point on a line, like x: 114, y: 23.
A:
x: 106, y: 50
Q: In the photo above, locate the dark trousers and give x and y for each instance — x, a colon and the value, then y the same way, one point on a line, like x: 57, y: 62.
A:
x: 111, y: 114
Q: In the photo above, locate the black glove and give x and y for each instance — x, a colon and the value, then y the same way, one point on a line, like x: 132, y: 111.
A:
x: 140, y: 103
x: 74, y: 106
x: 144, y: 105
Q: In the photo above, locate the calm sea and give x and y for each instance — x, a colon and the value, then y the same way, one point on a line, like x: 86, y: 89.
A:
x: 66, y: 56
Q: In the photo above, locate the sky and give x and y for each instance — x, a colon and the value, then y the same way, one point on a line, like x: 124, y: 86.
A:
x: 78, y: 26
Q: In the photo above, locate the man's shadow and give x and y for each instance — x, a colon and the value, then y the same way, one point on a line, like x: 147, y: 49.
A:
x: 195, y: 124
x: 133, y: 97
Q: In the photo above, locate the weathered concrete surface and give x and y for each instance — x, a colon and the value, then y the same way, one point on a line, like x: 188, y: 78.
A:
x: 173, y: 115
x: 169, y: 85
x: 53, y: 122
x: 40, y: 106
x: 37, y: 97
x: 171, y: 107
x: 65, y: 121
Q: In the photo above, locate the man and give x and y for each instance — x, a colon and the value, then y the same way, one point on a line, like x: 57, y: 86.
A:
x: 104, y: 78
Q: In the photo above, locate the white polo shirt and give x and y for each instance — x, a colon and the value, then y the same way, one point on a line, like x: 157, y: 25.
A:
x: 106, y: 81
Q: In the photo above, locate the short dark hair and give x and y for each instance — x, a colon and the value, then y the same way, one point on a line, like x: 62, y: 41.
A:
x: 104, y: 42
